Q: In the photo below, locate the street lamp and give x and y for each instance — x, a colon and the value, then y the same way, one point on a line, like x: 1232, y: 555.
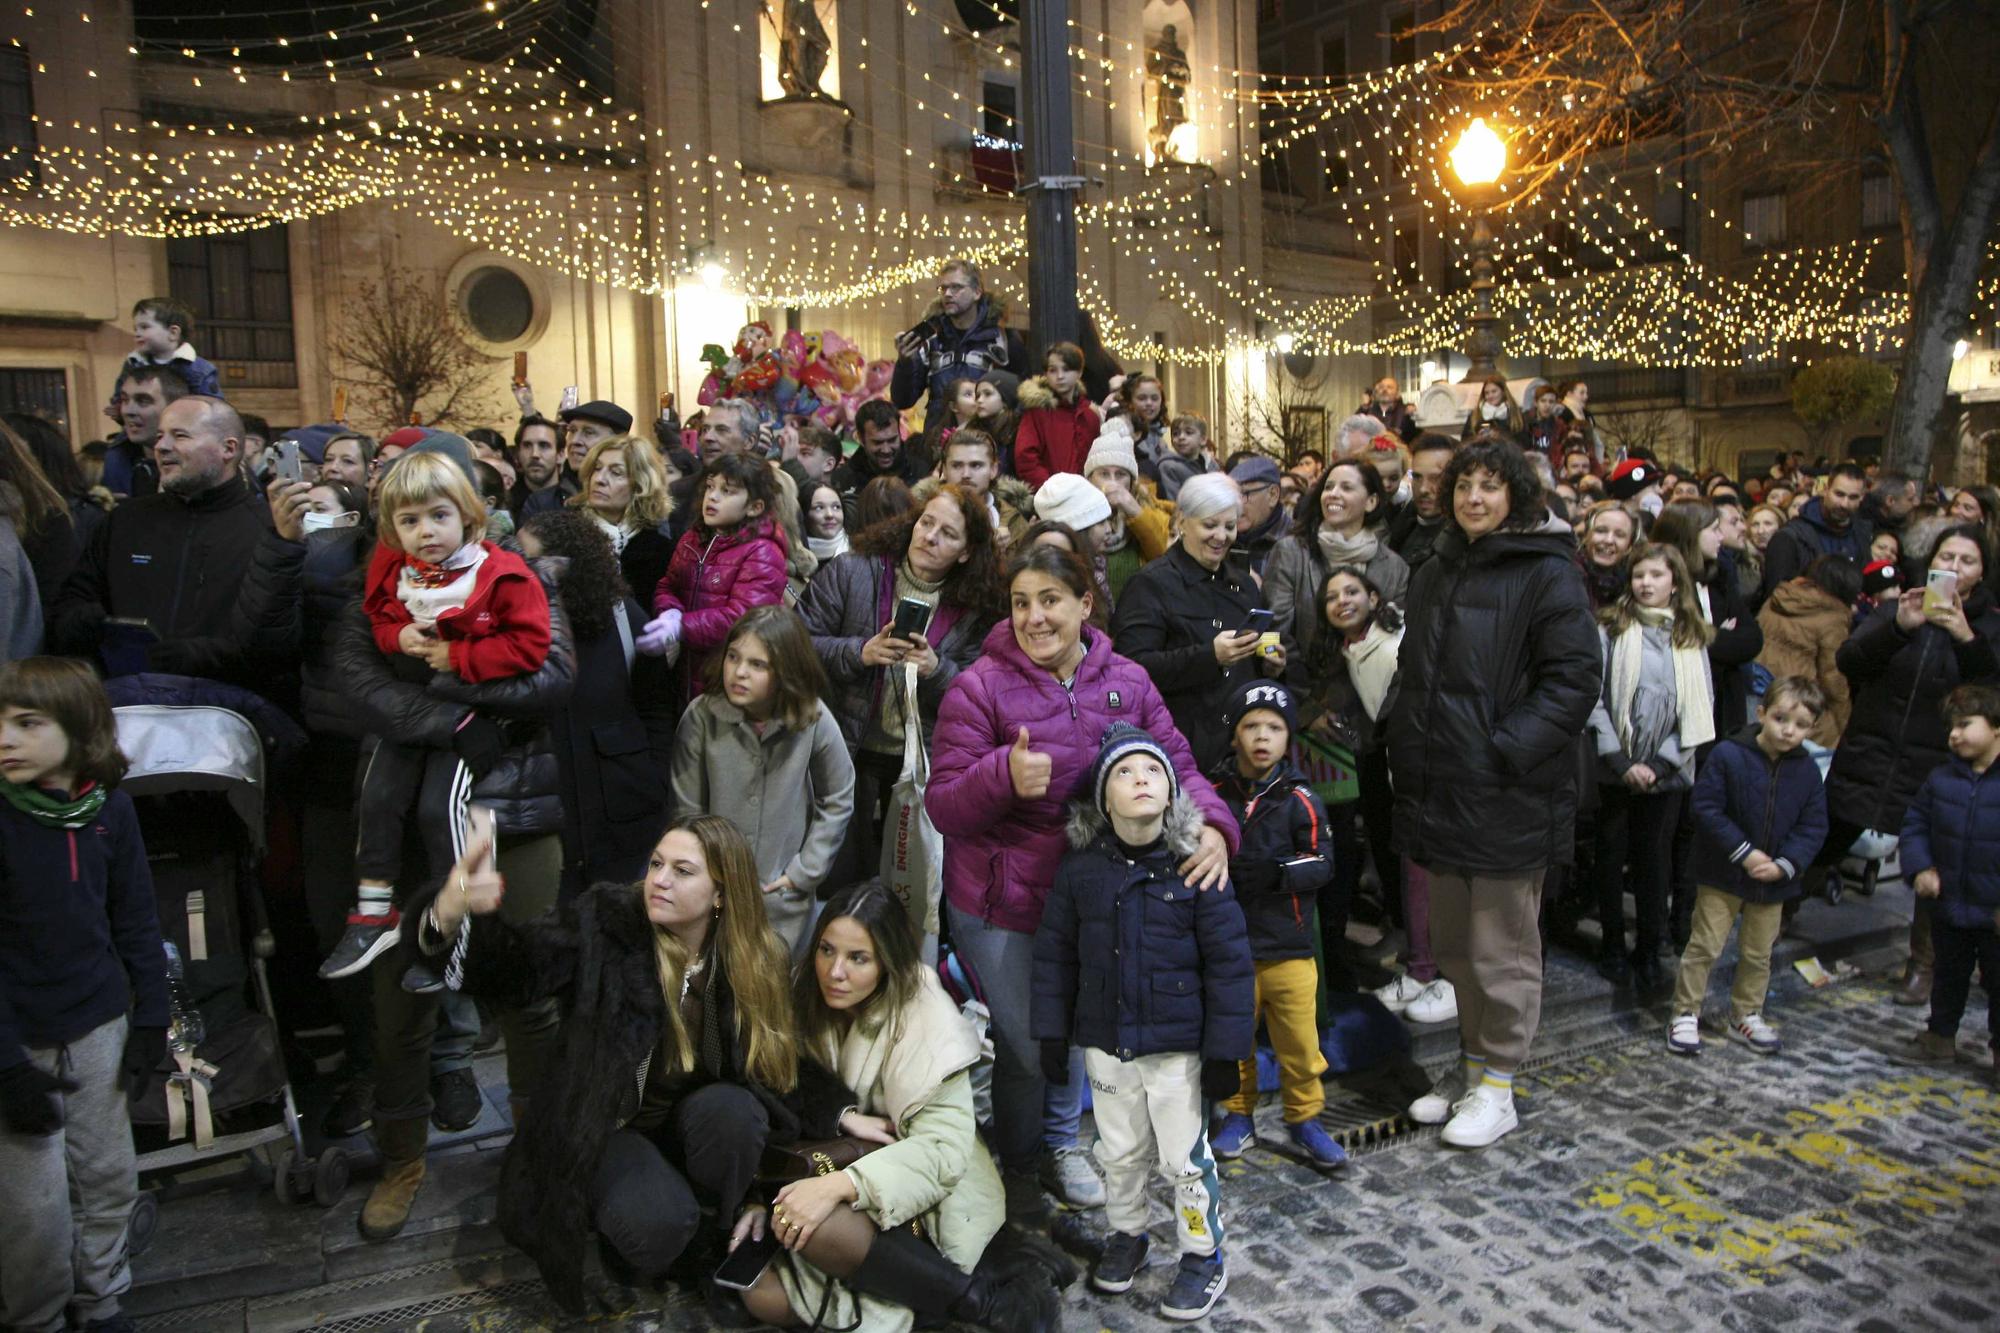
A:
x: 1478, y: 159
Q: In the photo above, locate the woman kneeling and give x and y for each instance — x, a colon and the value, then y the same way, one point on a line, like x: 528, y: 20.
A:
x: 904, y: 1228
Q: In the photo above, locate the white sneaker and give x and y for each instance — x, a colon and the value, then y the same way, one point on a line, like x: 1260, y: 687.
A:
x: 1481, y: 1118
x: 1396, y: 996
x: 1068, y: 1175
x: 1684, y: 1034
x: 1438, y: 1003
x: 1435, y: 1107
x: 1758, y: 1035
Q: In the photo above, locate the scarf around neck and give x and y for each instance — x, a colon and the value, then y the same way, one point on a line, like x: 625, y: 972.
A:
x: 1694, y: 699
x: 56, y: 812
x: 1337, y: 550
x: 619, y: 533
x: 828, y: 548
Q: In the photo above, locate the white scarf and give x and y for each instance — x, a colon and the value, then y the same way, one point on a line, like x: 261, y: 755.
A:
x: 1693, y: 695
x: 1337, y: 550
x: 1371, y: 666
x: 828, y: 548
x: 619, y: 533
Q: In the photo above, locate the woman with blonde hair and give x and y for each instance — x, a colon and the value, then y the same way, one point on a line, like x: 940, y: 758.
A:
x: 679, y: 1058
x: 623, y: 485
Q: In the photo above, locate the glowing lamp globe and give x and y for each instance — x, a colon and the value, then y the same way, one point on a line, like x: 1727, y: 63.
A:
x: 1479, y: 156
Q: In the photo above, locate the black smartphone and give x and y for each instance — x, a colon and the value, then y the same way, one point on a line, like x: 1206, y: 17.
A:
x: 126, y: 640
x: 911, y: 617
x: 746, y: 1263
x: 1257, y: 622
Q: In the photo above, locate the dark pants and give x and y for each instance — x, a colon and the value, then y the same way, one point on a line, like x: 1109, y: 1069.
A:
x: 649, y: 1188
x: 1376, y: 806
x: 402, y: 783
x: 1958, y: 948
x: 860, y: 855
x: 327, y: 835
x: 406, y: 1024
x: 1635, y: 829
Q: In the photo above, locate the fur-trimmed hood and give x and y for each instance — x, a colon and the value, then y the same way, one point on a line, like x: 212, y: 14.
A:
x: 1037, y: 393
x: 1183, y: 825
x: 1015, y: 493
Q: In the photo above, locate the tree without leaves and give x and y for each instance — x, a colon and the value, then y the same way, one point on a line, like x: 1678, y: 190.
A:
x: 1905, y: 78
x: 1289, y: 416
x: 407, y: 353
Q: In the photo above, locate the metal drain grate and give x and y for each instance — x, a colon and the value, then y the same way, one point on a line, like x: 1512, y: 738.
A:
x: 513, y: 1294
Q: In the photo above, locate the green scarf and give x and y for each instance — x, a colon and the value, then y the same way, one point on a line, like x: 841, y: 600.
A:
x: 50, y: 812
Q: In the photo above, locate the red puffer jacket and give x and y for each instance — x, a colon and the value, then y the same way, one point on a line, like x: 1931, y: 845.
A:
x: 1000, y: 852
x: 502, y: 630
x: 713, y: 580
x: 1052, y: 437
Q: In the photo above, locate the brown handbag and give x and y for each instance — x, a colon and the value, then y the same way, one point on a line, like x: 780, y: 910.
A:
x: 806, y: 1158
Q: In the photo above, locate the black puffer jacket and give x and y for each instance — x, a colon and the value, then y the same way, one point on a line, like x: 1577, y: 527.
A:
x: 1166, y: 621
x: 596, y: 955
x: 296, y: 593
x: 1499, y: 669
x: 1283, y: 861
x: 1895, y: 735
x: 524, y: 788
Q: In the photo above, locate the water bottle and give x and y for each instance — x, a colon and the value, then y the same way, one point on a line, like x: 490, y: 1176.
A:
x: 186, y: 1031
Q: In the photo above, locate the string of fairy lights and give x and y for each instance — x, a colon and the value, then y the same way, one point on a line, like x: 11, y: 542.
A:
x: 481, y: 113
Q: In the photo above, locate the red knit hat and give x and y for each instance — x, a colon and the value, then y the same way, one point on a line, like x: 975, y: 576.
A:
x: 1630, y: 477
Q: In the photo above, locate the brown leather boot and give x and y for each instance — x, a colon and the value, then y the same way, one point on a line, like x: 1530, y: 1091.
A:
x: 402, y: 1143
x: 1916, y: 987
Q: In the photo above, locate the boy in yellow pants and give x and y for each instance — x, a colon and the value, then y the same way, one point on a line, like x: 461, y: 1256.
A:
x: 1278, y: 870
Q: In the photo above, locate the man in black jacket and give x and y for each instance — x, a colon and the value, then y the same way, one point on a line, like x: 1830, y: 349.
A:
x: 963, y: 335
x: 173, y: 560
x: 1831, y: 524
x: 1414, y: 527
x: 882, y: 454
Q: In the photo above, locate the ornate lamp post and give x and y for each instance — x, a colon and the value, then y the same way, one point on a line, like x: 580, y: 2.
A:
x: 1477, y: 159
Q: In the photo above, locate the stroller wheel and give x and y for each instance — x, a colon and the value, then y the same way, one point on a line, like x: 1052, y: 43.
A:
x: 145, y: 1221
x: 329, y: 1178
x: 291, y: 1181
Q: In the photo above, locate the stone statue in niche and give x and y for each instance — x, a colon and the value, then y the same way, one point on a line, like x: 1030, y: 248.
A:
x: 1168, y: 70
x: 803, y: 48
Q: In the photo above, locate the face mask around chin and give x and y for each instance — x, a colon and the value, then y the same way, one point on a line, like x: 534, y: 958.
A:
x: 329, y: 522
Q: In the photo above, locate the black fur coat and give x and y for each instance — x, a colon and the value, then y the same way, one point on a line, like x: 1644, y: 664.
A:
x: 596, y: 954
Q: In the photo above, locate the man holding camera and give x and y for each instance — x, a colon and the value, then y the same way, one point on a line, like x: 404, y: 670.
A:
x: 962, y: 336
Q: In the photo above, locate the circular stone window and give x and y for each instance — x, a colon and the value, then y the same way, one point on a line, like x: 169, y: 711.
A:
x: 497, y: 304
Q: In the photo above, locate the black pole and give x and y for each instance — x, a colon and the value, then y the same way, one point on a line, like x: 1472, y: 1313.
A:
x: 1051, y: 148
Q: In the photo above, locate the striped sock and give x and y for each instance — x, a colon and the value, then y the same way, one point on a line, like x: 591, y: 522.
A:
x: 373, y: 899
x: 1475, y: 1069
x: 1499, y: 1080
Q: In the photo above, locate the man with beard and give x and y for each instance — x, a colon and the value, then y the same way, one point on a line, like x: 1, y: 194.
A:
x: 963, y: 335
x: 1417, y: 524
x: 882, y: 454
x: 143, y: 393
x: 173, y: 560
x: 538, y: 453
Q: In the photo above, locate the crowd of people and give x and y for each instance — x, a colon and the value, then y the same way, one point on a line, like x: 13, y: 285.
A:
x: 1052, y: 745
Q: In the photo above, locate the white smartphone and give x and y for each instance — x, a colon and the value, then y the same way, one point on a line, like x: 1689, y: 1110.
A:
x: 1940, y: 589
x: 480, y: 827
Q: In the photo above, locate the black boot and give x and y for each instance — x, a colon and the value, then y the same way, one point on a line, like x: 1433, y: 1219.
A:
x: 906, y: 1271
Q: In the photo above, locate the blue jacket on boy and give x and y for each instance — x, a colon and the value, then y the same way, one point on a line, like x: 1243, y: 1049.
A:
x: 1953, y: 827
x: 1744, y: 801
x: 1130, y: 960
x: 1283, y: 860
x: 79, y: 935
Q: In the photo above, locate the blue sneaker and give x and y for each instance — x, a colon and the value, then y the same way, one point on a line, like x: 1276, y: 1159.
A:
x: 1236, y: 1133
x: 1318, y: 1144
x: 1120, y: 1263
x: 1198, y: 1284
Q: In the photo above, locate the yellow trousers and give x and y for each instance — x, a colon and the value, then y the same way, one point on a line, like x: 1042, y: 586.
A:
x: 1287, y: 996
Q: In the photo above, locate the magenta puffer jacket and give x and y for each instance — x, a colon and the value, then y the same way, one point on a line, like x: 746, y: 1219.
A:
x: 1000, y: 852
x: 715, y: 579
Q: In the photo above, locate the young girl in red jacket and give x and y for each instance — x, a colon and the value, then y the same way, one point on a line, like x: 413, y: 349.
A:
x: 1058, y: 421
x: 731, y: 558
x: 438, y: 598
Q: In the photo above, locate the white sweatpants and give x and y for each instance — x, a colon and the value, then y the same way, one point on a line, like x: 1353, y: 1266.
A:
x: 1150, y: 1109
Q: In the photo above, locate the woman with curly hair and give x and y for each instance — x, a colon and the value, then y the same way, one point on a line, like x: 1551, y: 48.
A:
x: 1498, y: 673
x: 614, y: 740
x: 942, y: 555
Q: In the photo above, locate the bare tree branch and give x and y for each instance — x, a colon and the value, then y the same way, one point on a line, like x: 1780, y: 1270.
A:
x: 407, y: 355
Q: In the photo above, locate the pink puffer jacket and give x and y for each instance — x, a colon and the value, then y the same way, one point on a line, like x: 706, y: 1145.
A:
x: 1000, y: 852
x: 715, y: 579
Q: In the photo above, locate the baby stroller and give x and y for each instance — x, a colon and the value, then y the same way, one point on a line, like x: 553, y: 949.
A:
x: 197, y: 777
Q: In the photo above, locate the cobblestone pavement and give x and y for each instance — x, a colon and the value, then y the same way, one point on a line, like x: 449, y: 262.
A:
x: 1825, y: 1188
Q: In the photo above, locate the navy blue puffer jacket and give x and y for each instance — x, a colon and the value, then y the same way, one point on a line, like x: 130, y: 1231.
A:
x: 1953, y: 827
x: 1132, y: 961
x: 1745, y: 801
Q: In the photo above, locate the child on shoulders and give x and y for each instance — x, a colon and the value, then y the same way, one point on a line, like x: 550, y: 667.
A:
x: 161, y: 328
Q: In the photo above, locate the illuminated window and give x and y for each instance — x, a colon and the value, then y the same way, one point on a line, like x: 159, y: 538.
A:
x: 1764, y: 220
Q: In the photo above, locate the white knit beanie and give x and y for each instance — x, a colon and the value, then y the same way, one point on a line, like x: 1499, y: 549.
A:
x: 1068, y: 499
x: 1112, y: 449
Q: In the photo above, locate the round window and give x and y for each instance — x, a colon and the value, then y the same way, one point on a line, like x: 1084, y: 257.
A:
x: 497, y: 304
